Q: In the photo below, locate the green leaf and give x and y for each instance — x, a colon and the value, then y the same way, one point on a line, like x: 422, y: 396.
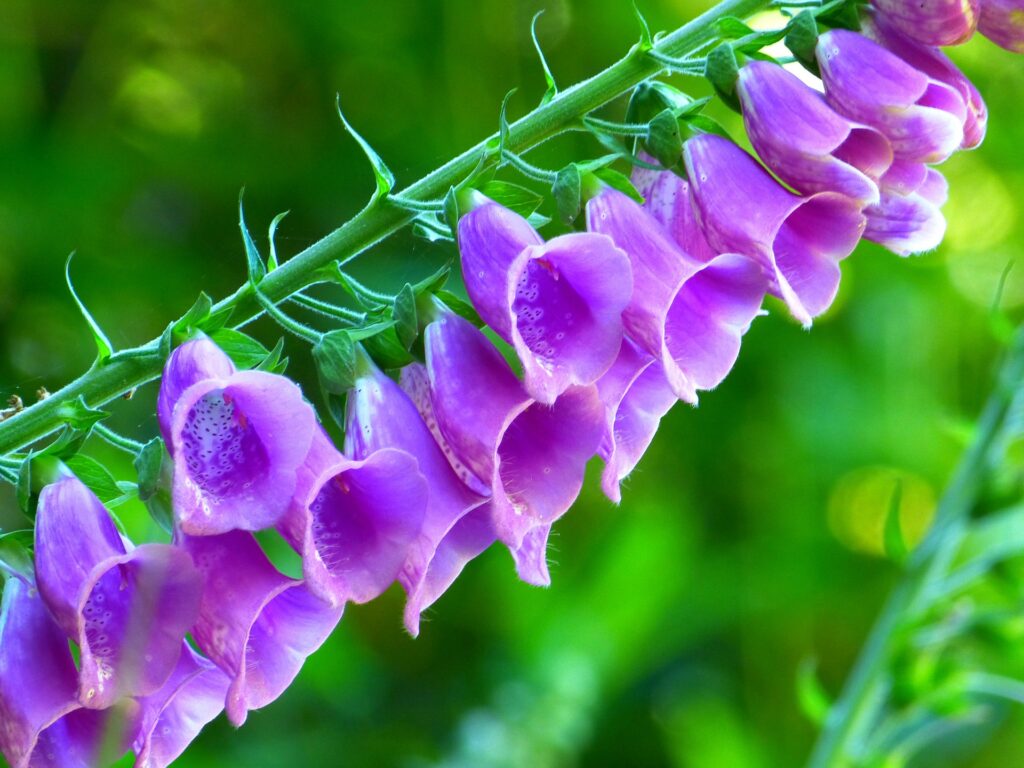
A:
x: 452, y: 214
x: 895, y: 544
x: 154, y: 469
x: 198, y: 314
x: 646, y: 40
x: 272, y: 259
x: 552, y: 90
x: 243, y: 349
x: 704, y: 124
x: 430, y: 228
x: 810, y: 694
x: 732, y: 28
x: 335, y: 358
x: 802, y: 40
x: 460, y: 307
x: 664, y: 139
x: 722, y: 70
x: 434, y: 282
x: 273, y: 362
x: 381, y: 173
x: 503, y: 126
x: 254, y: 261
x: 79, y: 416
x: 95, y: 476
x: 514, y: 197
x: 15, y: 553
x: 104, y: 348
x: 386, y: 350
x: 23, y: 490
x: 618, y: 181
x: 404, y: 313
x: 567, y: 192
x: 68, y: 443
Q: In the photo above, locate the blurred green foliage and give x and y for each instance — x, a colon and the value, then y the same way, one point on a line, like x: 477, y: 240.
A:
x: 750, y: 538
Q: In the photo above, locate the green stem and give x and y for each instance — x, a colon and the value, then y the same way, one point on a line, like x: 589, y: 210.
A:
x: 126, y: 444
x: 865, y: 688
x: 380, y: 219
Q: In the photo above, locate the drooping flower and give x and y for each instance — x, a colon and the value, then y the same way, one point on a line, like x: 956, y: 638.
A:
x: 557, y: 303
x: 688, y: 315
x: 908, y: 218
x: 381, y: 416
x: 173, y: 716
x: 923, y: 118
x: 938, y: 66
x: 932, y: 22
x: 255, y: 623
x: 237, y: 439
x: 806, y: 143
x: 799, y: 241
x: 128, y: 609
x: 42, y: 723
x: 1002, y: 22
x: 636, y: 396
x: 530, y: 456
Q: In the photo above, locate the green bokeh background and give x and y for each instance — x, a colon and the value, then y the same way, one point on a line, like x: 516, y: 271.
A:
x: 750, y: 537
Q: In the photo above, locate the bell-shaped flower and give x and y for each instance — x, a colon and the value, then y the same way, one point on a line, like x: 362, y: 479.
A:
x: 908, y: 218
x: 381, y: 416
x: 687, y: 314
x: 173, y: 716
x: 1002, y: 22
x: 806, y: 143
x: 128, y: 609
x: 42, y: 723
x: 636, y: 396
x: 255, y: 623
x: 932, y: 22
x: 923, y: 118
x: 557, y: 303
x: 938, y: 66
x: 799, y: 241
x: 237, y: 439
x: 529, y: 455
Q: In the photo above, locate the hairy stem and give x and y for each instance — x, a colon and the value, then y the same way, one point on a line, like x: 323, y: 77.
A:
x: 123, y: 372
x: 867, y: 686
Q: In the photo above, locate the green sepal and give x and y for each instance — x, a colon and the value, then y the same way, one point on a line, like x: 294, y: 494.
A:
x: 271, y: 233
x: 254, y: 262
x: 95, y: 477
x: 451, y: 210
x: 404, y: 313
x: 68, y: 443
x: 429, y: 227
x: 722, y: 70
x: 434, y: 282
x: 701, y: 123
x: 842, y: 16
x: 802, y: 40
x: 383, y: 176
x: 104, y: 348
x: 460, y: 307
x: 78, y: 415
x: 154, y: 468
x: 193, y: 320
x: 336, y: 407
x: 749, y: 40
x: 619, y: 181
x: 335, y: 358
x: 245, y: 352
x: 664, y: 139
x: 274, y: 362
x: 646, y: 39
x: 332, y: 273
x: 514, y: 197
x: 35, y: 472
x: 16, y: 553
x: 567, y: 193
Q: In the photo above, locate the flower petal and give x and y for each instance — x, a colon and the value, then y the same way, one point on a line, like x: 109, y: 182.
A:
x: 932, y: 22
x: 1002, y: 22
x: 189, y: 364
x: 905, y: 225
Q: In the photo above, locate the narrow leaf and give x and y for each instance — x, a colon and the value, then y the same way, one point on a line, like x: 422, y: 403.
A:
x: 254, y: 261
x: 95, y: 476
x: 198, y: 314
x: 460, y: 307
x: 895, y: 544
x: 503, y: 126
x: 272, y: 259
x: 646, y: 40
x: 274, y: 362
x: 104, y: 348
x: 552, y: 90
x: 618, y: 181
x: 810, y: 694
x: 80, y: 416
x: 404, y: 313
x: 514, y: 197
x: 381, y: 173
x: 244, y: 350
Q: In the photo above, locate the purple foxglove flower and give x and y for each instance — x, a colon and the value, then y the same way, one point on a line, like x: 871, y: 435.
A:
x: 1002, y: 22
x: 799, y: 241
x: 128, y: 611
x: 254, y: 622
x: 938, y: 66
x: 381, y: 416
x: 173, y: 716
x: 667, y: 198
x: 237, y: 440
x: 907, y: 220
x: 803, y: 141
x: 687, y: 314
x: 559, y: 304
x: 923, y: 118
x: 932, y: 22
x: 635, y: 396
x: 531, y: 456
x: 42, y: 724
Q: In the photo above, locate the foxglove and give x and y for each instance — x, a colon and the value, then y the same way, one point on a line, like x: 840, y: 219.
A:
x: 932, y: 22
x: 255, y: 623
x: 557, y: 303
x: 799, y: 241
x: 804, y: 141
x: 688, y: 315
x: 237, y: 439
x: 923, y: 118
x: 908, y: 219
x: 381, y: 416
x: 42, y: 723
x: 1002, y: 22
x: 128, y: 609
x: 530, y: 457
